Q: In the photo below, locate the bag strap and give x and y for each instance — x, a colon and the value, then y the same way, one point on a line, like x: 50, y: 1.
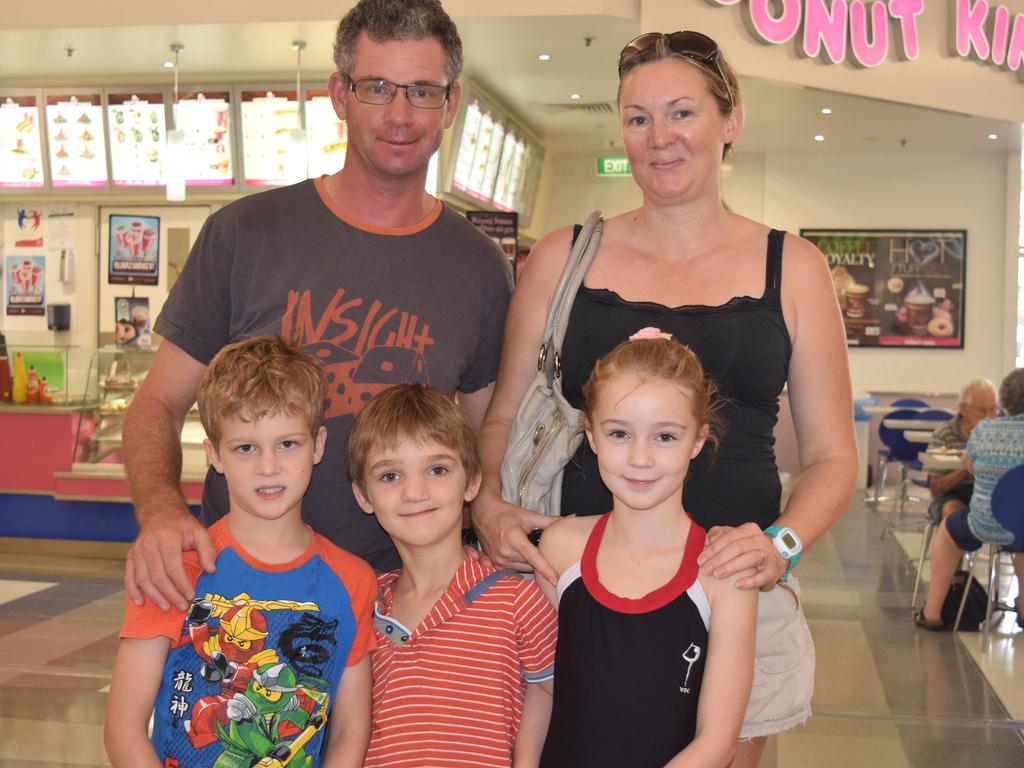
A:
x: 586, y: 240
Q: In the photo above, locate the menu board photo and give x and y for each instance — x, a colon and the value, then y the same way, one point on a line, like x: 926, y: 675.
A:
x: 138, y: 137
x: 326, y: 135
x: 205, y: 120
x: 21, y: 144
x: 269, y: 120
x: 74, y: 130
x: 897, y: 288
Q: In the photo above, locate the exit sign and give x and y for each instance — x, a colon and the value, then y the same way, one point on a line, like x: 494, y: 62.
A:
x: 612, y: 166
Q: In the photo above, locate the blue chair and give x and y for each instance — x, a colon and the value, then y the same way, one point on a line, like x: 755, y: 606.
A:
x: 1008, y: 510
x: 909, y: 402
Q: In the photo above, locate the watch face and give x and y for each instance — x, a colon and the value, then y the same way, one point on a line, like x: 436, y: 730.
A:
x: 789, y: 540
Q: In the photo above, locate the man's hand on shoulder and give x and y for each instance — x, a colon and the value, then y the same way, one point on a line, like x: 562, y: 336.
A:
x: 155, y: 569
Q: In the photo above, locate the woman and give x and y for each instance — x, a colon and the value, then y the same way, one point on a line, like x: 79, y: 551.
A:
x: 685, y: 264
x: 995, y: 447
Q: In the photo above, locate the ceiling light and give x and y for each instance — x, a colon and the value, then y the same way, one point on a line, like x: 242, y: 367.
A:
x: 993, y: 136
x: 168, y: 64
x: 819, y: 137
x: 575, y: 96
x: 544, y: 56
x: 826, y: 110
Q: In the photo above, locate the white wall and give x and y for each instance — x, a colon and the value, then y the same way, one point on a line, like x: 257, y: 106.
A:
x: 575, y: 190
x: 790, y: 191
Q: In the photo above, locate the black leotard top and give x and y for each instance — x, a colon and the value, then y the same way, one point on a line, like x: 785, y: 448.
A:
x: 745, y: 349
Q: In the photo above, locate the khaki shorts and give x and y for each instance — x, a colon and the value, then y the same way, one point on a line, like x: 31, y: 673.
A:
x: 780, y: 698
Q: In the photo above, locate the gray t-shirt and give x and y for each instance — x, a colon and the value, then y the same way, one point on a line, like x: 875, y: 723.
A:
x: 377, y: 306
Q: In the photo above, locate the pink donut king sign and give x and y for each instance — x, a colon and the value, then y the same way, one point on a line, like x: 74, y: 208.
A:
x: 864, y: 32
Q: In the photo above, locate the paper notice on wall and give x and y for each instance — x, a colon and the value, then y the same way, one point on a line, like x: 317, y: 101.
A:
x: 60, y: 227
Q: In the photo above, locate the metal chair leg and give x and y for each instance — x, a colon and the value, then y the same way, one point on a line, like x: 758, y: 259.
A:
x: 967, y: 589
x: 926, y: 540
x: 877, y: 482
x: 993, y: 593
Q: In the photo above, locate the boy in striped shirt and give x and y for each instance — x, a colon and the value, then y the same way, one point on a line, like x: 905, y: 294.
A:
x: 463, y: 669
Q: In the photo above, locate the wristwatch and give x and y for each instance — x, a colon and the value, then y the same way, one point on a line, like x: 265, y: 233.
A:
x: 787, y: 543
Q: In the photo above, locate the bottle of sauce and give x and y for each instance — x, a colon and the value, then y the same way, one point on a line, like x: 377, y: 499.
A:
x: 44, y: 391
x: 19, y: 388
x: 32, y: 385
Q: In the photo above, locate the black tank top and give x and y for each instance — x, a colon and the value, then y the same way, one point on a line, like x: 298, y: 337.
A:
x: 745, y: 349
x: 628, y: 672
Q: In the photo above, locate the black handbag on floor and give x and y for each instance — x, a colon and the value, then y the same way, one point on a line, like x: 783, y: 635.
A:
x: 974, y: 608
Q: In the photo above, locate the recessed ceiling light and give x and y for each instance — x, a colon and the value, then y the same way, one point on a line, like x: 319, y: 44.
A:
x: 819, y: 137
x: 544, y: 56
x: 993, y: 136
x: 168, y: 65
x: 575, y: 96
x: 826, y: 110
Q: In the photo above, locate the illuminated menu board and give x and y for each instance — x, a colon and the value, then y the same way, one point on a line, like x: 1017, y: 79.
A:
x: 467, y: 147
x: 21, y: 146
x: 507, y: 183
x: 269, y: 120
x: 205, y: 120
x: 326, y: 135
x: 138, y: 137
x: 494, y: 161
x: 74, y: 128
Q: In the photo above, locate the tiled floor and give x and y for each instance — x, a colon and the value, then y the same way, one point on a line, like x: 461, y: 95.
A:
x: 887, y: 694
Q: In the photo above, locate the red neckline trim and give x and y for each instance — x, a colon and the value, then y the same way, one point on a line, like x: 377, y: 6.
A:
x: 653, y: 600
x: 232, y: 543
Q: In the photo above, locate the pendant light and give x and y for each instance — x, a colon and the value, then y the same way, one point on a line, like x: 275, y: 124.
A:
x: 297, y: 164
x: 174, y: 157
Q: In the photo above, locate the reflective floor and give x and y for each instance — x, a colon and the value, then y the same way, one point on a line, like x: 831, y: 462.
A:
x: 887, y: 694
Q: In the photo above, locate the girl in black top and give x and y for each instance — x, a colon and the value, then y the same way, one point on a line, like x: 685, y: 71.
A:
x: 654, y: 663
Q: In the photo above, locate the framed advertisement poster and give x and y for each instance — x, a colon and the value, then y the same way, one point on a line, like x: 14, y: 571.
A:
x: 134, y: 255
x: 26, y: 285
x: 897, y: 287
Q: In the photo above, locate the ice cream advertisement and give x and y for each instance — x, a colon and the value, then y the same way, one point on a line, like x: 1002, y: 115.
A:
x: 897, y: 288
x: 134, y: 250
x: 26, y: 285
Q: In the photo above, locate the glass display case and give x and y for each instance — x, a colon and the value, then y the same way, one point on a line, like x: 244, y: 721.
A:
x: 115, y: 375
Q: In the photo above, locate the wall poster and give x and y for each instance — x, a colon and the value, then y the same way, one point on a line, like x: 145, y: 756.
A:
x: 134, y: 255
x: 897, y: 287
x: 26, y: 285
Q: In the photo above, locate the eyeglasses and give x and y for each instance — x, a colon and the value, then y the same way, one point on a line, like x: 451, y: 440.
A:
x: 421, y: 95
x: 692, y: 45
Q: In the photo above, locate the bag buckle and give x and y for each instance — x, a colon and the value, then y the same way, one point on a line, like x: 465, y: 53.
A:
x: 557, y: 372
x: 542, y: 357
x: 538, y: 433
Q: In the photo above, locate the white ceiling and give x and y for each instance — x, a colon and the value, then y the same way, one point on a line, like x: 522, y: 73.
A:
x: 501, y: 55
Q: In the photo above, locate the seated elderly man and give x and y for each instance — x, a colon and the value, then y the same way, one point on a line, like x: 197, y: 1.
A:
x: 951, y: 489
x: 995, y: 447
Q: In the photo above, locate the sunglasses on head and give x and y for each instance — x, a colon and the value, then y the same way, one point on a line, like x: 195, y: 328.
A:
x: 692, y: 45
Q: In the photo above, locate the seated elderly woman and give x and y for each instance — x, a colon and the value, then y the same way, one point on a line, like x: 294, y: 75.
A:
x: 995, y: 447
x: 951, y: 489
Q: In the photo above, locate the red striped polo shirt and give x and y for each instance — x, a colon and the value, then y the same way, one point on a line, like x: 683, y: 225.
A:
x: 450, y: 692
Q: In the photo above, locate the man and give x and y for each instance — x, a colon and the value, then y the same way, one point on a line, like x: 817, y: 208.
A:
x: 951, y: 490
x: 368, y: 272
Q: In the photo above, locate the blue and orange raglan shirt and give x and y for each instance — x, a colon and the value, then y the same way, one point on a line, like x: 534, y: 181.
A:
x: 255, y: 661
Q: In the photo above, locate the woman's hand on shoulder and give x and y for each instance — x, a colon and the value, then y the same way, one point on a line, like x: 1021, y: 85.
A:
x: 731, y: 552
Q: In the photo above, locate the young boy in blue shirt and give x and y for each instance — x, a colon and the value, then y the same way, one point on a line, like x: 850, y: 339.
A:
x: 273, y: 651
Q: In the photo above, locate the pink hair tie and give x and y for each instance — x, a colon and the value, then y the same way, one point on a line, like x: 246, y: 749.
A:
x: 650, y: 332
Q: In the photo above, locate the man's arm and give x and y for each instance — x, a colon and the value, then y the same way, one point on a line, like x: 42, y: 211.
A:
x: 152, y: 458
x: 136, y: 680
x: 350, y: 718
x: 942, y: 484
